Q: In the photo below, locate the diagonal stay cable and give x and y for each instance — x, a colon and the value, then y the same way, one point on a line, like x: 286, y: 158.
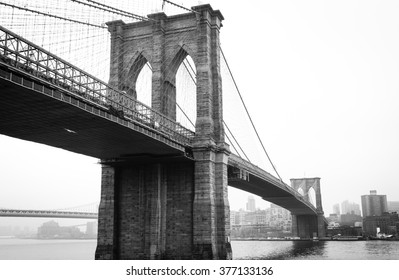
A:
x: 232, y: 135
x: 236, y: 141
x: 249, y: 116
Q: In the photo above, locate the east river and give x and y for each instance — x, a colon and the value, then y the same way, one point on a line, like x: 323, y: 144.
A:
x: 33, y: 249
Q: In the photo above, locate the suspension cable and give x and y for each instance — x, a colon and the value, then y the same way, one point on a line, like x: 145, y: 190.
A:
x: 177, y: 104
x: 249, y: 116
x: 236, y: 141
x: 232, y: 144
x: 182, y: 7
x: 110, y: 9
x: 192, y: 78
x: 53, y: 16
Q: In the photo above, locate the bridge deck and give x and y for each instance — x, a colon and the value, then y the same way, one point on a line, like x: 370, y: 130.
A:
x: 35, y: 111
x: 259, y: 182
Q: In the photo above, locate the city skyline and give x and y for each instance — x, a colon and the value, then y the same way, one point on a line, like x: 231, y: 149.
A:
x: 329, y: 88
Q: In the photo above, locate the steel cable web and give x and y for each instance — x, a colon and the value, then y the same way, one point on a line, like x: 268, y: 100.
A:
x: 74, y: 29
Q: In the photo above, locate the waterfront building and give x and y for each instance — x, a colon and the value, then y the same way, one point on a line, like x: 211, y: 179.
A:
x: 273, y: 221
x: 334, y: 218
x: 344, y: 231
x: 280, y: 217
x: 386, y: 223
x: 333, y: 225
x: 373, y: 204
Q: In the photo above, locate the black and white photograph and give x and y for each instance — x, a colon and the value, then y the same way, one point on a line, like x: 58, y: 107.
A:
x: 255, y: 131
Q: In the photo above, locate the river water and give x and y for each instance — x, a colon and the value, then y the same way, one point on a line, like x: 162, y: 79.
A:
x: 33, y: 249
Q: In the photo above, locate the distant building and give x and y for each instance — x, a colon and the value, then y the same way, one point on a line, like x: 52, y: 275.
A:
x: 387, y: 223
x: 333, y: 218
x: 257, y: 217
x: 237, y: 217
x: 280, y: 217
x: 373, y: 204
x: 350, y: 219
x: 233, y: 218
x: 332, y: 225
x: 350, y: 208
x: 393, y: 206
x: 51, y: 229
x: 344, y: 231
x: 251, y: 204
x: 336, y: 209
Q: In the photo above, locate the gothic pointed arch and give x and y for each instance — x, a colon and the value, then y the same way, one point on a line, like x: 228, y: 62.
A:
x: 180, y: 54
x: 132, y: 72
x: 312, y: 196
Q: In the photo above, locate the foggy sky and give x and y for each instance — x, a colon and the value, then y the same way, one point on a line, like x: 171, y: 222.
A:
x: 321, y: 80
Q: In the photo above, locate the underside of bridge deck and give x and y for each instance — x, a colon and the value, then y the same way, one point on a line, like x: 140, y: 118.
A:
x: 35, y: 111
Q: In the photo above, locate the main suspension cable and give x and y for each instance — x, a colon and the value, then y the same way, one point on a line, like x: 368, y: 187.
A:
x: 177, y: 5
x: 110, y: 9
x: 236, y: 141
x: 249, y: 116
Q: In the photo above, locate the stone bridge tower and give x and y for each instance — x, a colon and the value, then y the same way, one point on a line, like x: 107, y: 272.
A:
x: 166, y: 208
x: 306, y: 226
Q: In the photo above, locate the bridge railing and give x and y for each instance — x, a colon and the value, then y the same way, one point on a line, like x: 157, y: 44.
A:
x: 36, y: 61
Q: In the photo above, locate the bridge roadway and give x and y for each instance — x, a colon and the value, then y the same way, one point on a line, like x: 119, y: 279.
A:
x: 47, y: 100
x: 47, y: 214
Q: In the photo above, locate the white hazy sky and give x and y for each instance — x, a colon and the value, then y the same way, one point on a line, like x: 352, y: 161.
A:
x: 321, y: 80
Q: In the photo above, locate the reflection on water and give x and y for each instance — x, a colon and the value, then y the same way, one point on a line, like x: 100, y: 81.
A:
x: 33, y: 249
x: 309, y: 250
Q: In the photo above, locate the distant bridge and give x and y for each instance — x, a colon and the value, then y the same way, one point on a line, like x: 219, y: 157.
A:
x: 47, y: 214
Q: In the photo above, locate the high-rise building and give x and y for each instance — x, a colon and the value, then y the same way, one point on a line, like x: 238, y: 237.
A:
x: 373, y: 204
x: 336, y: 209
x: 393, y: 206
x: 350, y: 208
x: 251, y: 204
